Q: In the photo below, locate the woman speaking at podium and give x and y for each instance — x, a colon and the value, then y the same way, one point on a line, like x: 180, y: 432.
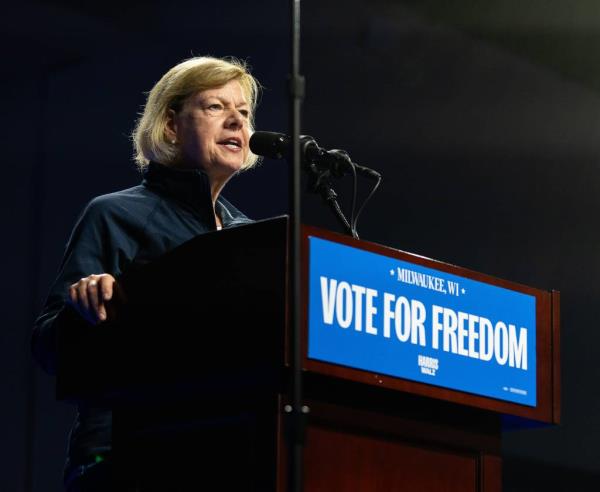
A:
x: 192, y: 137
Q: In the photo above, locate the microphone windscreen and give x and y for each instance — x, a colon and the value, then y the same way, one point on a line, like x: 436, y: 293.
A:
x: 269, y: 144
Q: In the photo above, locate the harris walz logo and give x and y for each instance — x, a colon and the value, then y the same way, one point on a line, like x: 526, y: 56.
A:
x: 428, y: 365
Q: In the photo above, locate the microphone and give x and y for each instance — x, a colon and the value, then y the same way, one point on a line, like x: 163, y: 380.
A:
x: 278, y: 146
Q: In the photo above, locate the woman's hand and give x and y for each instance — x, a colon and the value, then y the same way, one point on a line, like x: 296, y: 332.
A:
x: 89, y: 295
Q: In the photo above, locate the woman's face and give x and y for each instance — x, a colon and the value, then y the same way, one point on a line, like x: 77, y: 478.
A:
x: 212, y: 130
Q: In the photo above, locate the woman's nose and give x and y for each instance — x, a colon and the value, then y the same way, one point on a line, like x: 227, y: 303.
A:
x: 235, y: 119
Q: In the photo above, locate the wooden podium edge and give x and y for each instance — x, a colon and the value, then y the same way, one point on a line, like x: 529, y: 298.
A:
x: 556, y: 379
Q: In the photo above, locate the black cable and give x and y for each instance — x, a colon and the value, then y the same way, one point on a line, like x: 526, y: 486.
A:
x: 373, y: 190
x: 321, y: 165
x: 354, y: 197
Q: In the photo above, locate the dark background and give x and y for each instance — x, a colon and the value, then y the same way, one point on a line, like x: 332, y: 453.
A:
x: 484, y: 118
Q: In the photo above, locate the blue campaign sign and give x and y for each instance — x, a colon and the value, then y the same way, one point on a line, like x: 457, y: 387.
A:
x: 372, y: 312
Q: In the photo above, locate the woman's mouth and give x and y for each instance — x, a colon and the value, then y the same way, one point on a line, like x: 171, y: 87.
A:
x: 233, y: 144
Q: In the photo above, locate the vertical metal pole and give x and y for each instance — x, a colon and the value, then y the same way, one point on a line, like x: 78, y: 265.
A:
x: 296, y: 412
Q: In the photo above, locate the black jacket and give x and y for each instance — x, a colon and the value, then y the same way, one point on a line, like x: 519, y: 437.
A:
x: 115, y: 231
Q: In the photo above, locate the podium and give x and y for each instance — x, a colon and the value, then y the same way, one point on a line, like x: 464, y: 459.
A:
x: 195, y: 366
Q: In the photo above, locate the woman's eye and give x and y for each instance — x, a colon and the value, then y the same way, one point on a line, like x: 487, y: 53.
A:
x: 245, y: 113
x: 215, y: 107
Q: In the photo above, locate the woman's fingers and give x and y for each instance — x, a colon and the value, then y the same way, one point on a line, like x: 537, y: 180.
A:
x: 89, y: 295
x: 93, y: 298
x: 105, y: 293
x: 82, y: 298
x: 106, y: 282
x: 73, y: 294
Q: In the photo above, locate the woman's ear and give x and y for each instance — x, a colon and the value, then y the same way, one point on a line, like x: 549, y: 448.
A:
x: 171, y: 126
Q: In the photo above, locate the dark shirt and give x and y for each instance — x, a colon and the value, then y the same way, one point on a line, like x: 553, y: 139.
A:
x: 114, y: 232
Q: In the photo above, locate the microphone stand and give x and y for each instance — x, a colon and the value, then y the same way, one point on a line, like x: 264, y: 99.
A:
x: 295, y: 413
x: 320, y: 182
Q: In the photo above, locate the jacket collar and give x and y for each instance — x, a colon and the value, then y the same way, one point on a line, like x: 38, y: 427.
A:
x: 191, y: 188
x: 188, y: 186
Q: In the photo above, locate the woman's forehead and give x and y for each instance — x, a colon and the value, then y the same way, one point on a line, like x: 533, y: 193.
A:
x: 232, y: 91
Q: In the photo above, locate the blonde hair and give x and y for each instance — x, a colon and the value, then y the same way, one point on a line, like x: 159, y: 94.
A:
x: 171, y: 91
